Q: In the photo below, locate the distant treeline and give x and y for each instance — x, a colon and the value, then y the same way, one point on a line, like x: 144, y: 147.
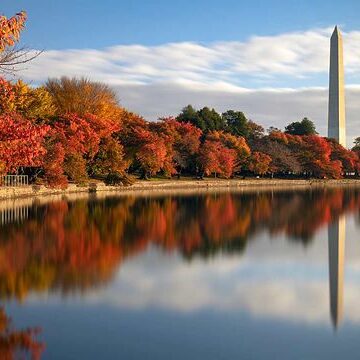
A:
x: 75, y: 129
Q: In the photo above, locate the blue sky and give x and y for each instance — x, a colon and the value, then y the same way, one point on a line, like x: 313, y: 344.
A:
x: 64, y: 24
x: 269, y: 59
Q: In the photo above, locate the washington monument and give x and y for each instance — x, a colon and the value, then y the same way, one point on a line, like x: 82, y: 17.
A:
x: 336, y: 121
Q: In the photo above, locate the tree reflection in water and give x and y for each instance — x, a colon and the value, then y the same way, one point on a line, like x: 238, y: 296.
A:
x: 73, y: 246
x: 16, y: 344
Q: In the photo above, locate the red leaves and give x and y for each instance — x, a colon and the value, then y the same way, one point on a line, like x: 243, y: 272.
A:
x: 318, y: 156
x: 151, y: 155
x: 151, y: 151
x: 349, y: 160
x: 53, y: 164
x: 315, y: 156
x: 21, y: 142
x: 77, y: 134
x: 217, y: 159
x: 223, y: 153
x: 182, y: 141
x: 80, y: 138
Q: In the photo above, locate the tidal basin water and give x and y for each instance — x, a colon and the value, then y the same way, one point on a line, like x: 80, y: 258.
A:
x: 255, y: 275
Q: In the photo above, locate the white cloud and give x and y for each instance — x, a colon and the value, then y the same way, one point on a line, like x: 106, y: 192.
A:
x: 292, y: 54
x: 269, y: 290
x: 273, y: 279
x: 250, y: 75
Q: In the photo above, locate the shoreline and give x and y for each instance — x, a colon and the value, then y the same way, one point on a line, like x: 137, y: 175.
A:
x: 160, y: 186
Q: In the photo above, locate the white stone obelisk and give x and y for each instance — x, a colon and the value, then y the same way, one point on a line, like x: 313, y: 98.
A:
x: 336, y: 124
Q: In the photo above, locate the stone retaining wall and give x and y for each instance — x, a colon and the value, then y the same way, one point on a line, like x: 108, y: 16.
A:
x: 148, y: 186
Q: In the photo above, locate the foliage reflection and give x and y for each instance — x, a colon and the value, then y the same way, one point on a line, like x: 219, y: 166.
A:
x: 73, y: 246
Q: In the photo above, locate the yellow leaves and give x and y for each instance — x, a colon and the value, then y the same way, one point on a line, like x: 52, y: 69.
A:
x: 21, y: 98
x: 82, y: 96
x: 10, y: 29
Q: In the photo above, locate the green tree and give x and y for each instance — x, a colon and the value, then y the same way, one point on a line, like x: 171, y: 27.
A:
x: 211, y: 119
x: 356, y: 146
x: 236, y: 123
x: 303, y: 127
x: 190, y: 115
x: 205, y: 119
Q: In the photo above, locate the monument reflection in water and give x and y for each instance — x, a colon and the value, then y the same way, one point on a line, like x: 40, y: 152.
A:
x: 337, y: 235
x: 172, y: 259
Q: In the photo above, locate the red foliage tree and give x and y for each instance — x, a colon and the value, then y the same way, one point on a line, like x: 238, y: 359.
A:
x: 182, y: 141
x: 315, y: 156
x: 80, y: 138
x: 349, y: 159
x: 217, y: 159
x: 152, y: 154
x: 53, y: 164
x: 21, y: 142
x: 144, y: 148
x: 236, y: 143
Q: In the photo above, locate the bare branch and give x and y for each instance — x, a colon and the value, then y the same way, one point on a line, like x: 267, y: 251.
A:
x: 11, y: 58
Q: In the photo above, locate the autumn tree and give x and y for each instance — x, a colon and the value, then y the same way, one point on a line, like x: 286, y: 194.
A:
x: 145, y: 150
x: 315, y: 156
x: 182, y: 141
x: 109, y: 162
x: 236, y: 143
x: 79, y: 142
x: 259, y: 163
x: 21, y: 143
x: 151, y: 155
x: 53, y: 164
x: 283, y: 157
x: 32, y: 103
x: 82, y: 96
x: 349, y: 159
x: 10, y: 55
x: 186, y: 144
x: 215, y: 158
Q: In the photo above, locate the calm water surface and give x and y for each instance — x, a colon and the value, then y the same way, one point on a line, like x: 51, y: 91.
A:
x: 268, y: 275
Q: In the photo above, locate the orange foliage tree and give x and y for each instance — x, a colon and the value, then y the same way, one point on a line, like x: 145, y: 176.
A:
x: 259, y: 163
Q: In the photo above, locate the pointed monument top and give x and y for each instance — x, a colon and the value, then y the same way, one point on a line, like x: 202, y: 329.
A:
x: 336, y: 32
